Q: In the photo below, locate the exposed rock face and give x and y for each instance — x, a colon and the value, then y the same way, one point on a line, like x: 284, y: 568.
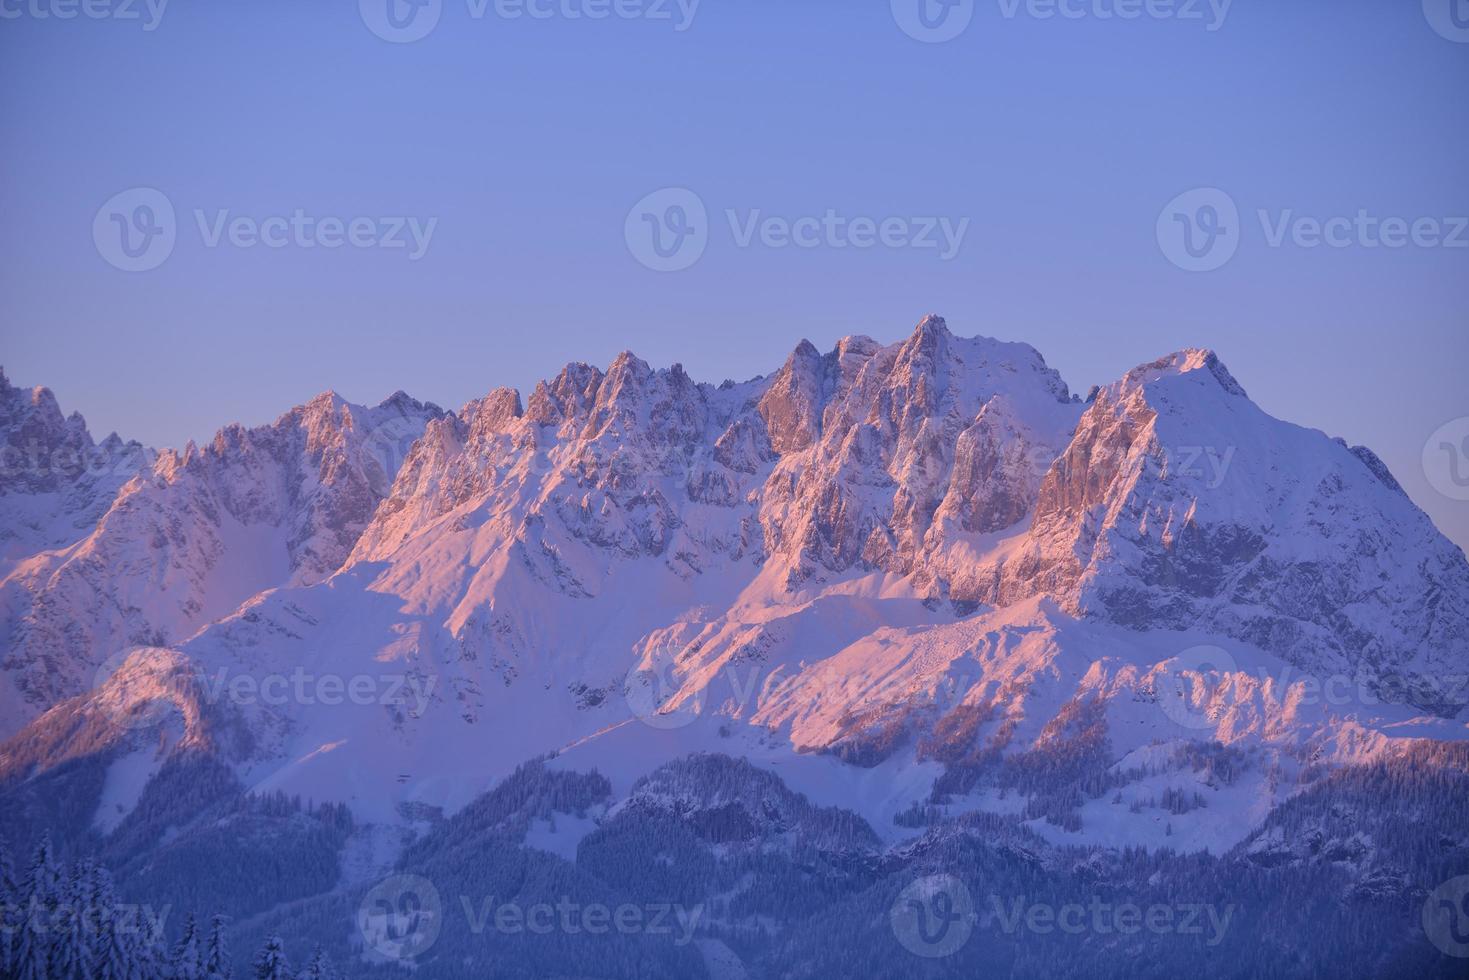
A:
x: 914, y: 439
x: 55, y: 481
x: 1168, y: 501
x: 1179, y: 504
x: 196, y: 533
x: 792, y: 405
x: 866, y: 458
x: 615, y: 460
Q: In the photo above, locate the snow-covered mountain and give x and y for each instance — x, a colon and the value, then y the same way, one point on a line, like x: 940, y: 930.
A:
x: 182, y: 541
x: 1179, y: 504
x: 915, y: 579
x: 56, y: 482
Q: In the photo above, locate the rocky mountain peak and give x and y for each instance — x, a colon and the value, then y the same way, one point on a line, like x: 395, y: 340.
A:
x: 928, y: 337
x: 494, y: 413
x: 1180, y: 363
x: 55, y: 481
x: 793, y: 403
x: 403, y: 401
x: 568, y: 396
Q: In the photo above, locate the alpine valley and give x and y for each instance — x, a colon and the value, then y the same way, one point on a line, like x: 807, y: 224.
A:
x: 785, y: 658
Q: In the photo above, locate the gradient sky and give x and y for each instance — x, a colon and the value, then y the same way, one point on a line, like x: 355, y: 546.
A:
x: 1060, y: 139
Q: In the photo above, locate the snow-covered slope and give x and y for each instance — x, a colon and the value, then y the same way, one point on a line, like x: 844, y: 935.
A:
x: 193, y: 535
x: 915, y: 579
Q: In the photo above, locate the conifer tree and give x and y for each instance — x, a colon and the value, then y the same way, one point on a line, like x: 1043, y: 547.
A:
x: 151, y: 956
x: 217, y: 959
x: 39, y: 898
x: 9, y: 900
x: 271, y: 963
x: 188, y: 964
x: 317, y: 968
x: 73, y: 951
x: 116, y: 956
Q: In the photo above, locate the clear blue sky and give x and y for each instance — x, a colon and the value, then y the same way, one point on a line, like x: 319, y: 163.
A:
x: 1060, y: 139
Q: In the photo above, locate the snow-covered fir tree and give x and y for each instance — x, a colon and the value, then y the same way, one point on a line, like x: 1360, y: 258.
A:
x: 8, y: 901
x: 217, y: 958
x: 271, y: 962
x: 72, y: 948
x: 188, y: 964
x: 40, y: 894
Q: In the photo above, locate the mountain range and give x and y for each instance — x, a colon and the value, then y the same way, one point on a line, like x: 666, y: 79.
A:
x: 888, y: 601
